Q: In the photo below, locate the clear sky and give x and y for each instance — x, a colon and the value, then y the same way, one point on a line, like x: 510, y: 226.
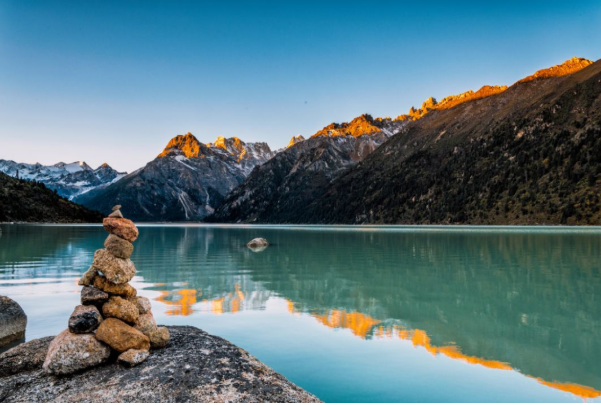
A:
x: 115, y: 80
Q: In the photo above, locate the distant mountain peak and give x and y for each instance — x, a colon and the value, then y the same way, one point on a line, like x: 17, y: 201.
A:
x: 295, y: 139
x: 232, y: 145
x: 186, y: 144
x: 362, y: 125
x: 568, y: 67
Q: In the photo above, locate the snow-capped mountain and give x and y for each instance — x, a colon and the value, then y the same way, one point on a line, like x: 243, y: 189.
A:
x: 185, y: 182
x: 68, y: 179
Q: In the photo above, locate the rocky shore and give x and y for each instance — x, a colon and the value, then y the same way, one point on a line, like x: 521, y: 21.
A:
x: 193, y: 367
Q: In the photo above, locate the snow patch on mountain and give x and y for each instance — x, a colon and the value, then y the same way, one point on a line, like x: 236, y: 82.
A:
x: 68, y: 179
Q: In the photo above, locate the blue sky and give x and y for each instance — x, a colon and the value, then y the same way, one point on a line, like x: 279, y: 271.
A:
x: 115, y: 80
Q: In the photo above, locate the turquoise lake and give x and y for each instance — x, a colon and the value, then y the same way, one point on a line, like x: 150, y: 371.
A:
x: 356, y: 314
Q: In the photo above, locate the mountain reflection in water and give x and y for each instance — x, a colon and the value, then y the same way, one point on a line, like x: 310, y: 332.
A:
x: 525, y: 300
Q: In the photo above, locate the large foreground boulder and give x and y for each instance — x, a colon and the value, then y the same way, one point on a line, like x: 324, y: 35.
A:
x: 12, y: 321
x: 194, y: 367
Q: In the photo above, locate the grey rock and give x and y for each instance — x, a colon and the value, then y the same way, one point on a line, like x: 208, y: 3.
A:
x: 27, y: 356
x: 12, y: 321
x: 84, y: 319
x: 70, y: 352
x: 116, y: 214
x: 194, y: 367
x: 258, y: 243
x: 142, y: 303
x: 133, y: 357
x: 118, y: 247
x: 159, y: 337
x: 93, y: 296
x: 146, y: 324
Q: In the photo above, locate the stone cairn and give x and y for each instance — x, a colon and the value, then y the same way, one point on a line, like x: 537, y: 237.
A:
x: 112, y: 321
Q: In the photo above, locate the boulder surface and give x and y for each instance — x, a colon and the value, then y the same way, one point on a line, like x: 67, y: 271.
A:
x: 70, y: 352
x: 194, y: 367
x: 258, y: 243
x: 115, y: 270
x: 12, y: 321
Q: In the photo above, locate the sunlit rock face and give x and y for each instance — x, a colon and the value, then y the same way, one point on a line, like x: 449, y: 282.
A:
x: 295, y: 139
x: 185, y: 182
x: 68, y: 179
x: 569, y: 66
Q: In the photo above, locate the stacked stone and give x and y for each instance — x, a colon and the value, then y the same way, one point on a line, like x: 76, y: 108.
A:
x: 111, y: 317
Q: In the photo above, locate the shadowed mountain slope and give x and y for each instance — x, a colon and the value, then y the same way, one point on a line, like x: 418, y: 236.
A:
x: 528, y: 154
x: 286, y: 184
x: 30, y: 201
x: 184, y: 182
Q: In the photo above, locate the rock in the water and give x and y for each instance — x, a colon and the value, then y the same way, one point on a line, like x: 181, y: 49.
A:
x: 12, y: 321
x: 159, y: 337
x: 133, y: 357
x: 120, y: 336
x: 121, y: 227
x: 185, y: 371
x: 88, y: 276
x: 146, y: 324
x: 142, y: 303
x: 84, y: 319
x: 116, y: 208
x: 93, y: 296
x: 25, y: 357
x: 116, y: 214
x: 124, y: 290
x: 115, y: 270
x: 70, y: 352
x: 118, y: 247
x: 120, y: 308
x: 258, y: 243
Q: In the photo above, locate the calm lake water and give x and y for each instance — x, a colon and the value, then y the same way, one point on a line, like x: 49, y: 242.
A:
x: 431, y: 314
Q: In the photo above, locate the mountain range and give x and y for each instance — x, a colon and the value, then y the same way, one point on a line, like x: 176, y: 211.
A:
x: 68, y: 179
x: 528, y: 153
x: 525, y: 154
x: 185, y: 182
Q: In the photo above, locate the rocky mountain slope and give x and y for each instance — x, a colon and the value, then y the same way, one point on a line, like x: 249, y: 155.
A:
x: 30, y: 201
x: 304, y: 170
x: 68, y: 179
x: 185, y: 182
x: 526, y: 154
